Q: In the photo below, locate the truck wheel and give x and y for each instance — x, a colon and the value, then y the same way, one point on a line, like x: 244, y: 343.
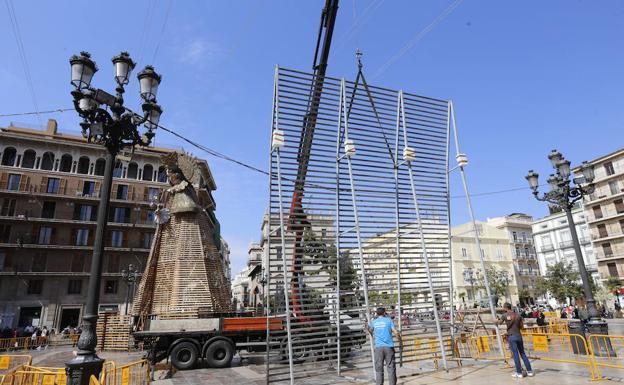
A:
x: 184, y: 356
x: 219, y: 354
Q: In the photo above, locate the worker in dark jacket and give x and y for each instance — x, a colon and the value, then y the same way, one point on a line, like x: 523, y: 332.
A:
x: 516, y: 345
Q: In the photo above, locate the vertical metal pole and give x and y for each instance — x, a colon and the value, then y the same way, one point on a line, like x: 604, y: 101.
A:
x: 284, y: 268
x: 448, y: 210
x: 87, y: 363
x: 268, y: 240
x: 357, y: 223
x: 398, y: 228
x: 422, y: 237
x: 476, y: 234
x: 283, y: 238
x: 338, y: 236
x: 594, y: 317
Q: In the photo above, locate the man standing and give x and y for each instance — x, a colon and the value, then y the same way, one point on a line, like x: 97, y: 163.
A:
x: 514, y: 325
x: 382, y: 329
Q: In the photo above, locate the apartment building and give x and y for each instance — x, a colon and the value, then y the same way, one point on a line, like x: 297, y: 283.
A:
x: 526, y: 267
x: 247, y: 287
x: 604, y: 209
x: 553, y: 241
x: 467, y: 272
x: 49, y: 193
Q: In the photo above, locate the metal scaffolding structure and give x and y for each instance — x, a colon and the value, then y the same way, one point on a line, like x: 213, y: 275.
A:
x: 371, y: 228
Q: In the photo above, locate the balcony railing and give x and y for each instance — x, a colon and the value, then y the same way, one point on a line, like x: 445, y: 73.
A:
x: 547, y: 247
x: 606, y: 213
x: 565, y: 244
x: 73, y: 194
x: 523, y: 240
x: 601, y: 173
x: 528, y: 273
x: 614, y: 234
x: 584, y: 240
x: 526, y: 256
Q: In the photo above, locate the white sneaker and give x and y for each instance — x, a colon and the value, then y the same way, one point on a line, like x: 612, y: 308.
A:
x: 530, y: 374
x: 517, y: 375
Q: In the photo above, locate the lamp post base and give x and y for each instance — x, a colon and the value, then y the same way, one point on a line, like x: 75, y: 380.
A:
x: 82, y: 367
x: 597, y: 327
x: 601, y: 346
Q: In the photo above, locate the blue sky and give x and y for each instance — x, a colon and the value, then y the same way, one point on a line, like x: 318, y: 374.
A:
x: 525, y: 77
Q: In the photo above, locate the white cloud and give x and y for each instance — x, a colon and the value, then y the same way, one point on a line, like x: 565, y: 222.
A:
x: 199, y: 51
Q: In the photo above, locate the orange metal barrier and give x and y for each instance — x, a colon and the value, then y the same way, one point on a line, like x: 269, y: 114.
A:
x: 551, y: 328
x: 12, y: 363
x: 135, y: 373
x: 563, y: 347
x: 22, y: 343
x: 607, y: 353
x: 31, y: 375
x: 481, y: 348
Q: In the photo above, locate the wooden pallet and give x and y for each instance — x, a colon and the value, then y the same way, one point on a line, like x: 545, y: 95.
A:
x: 113, y: 331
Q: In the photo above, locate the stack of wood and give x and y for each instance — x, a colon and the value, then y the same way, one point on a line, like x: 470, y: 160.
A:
x: 113, y: 331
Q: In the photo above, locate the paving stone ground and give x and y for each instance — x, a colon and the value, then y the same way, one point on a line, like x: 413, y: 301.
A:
x: 251, y: 371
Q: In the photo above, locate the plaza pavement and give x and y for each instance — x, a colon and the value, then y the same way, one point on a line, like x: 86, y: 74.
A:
x: 251, y: 371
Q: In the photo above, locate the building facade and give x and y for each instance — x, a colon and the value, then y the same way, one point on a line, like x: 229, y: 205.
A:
x: 526, y: 267
x: 467, y: 272
x: 49, y: 193
x: 553, y: 241
x: 247, y: 286
x: 604, y: 209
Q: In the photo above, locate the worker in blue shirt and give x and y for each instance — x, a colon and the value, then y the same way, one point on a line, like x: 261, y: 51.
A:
x: 382, y: 329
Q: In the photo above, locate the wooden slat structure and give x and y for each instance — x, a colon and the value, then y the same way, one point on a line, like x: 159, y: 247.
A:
x: 184, y: 271
x: 113, y: 331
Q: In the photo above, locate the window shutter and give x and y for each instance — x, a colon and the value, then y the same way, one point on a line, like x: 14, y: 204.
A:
x: 43, y: 187
x: 62, y: 186
x: 90, y: 237
x: 143, y: 216
x: 109, y: 238
x: 4, y: 179
x: 145, y: 192
x: 74, y: 236
x: 97, y: 188
x: 35, y: 233
x: 80, y: 188
x: 53, y: 236
x: 130, y: 193
x: 124, y: 242
x: 23, y: 183
x: 114, y: 191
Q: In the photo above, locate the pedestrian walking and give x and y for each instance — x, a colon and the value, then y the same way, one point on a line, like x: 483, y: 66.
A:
x: 382, y: 328
x: 516, y: 345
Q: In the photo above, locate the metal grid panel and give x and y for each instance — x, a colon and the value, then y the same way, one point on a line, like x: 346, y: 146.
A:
x: 321, y: 248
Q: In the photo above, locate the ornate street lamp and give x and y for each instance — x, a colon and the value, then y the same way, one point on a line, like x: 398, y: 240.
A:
x: 130, y: 276
x: 563, y: 195
x: 107, y: 122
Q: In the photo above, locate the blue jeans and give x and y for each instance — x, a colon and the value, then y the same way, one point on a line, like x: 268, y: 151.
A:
x: 517, y: 349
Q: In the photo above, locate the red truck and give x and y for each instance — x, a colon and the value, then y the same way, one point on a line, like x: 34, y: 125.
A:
x: 216, y: 340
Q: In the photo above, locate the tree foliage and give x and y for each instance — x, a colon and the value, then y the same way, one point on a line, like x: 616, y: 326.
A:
x: 498, y: 281
x: 317, y: 252
x: 614, y: 284
x: 561, y: 281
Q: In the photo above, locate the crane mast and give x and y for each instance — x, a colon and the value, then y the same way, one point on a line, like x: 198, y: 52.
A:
x: 297, y: 219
